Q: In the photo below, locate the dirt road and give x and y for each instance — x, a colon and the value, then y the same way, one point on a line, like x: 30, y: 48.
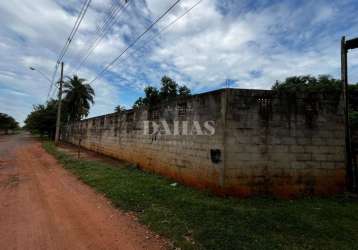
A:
x: 42, y: 206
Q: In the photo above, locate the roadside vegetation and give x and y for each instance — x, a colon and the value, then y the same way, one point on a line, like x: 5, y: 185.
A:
x: 153, y: 96
x: 78, y: 98
x: 169, y: 89
x: 322, y: 84
x: 8, y: 123
x: 198, y: 220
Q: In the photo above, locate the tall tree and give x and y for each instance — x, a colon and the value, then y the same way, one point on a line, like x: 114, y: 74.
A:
x: 7, y: 123
x: 307, y: 83
x: 78, y: 99
x: 184, y: 91
x: 322, y: 84
x: 138, y: 103
x: 119, y: 109
x: 152, y: 96
x: 42, y: 119
x: 169, y: 89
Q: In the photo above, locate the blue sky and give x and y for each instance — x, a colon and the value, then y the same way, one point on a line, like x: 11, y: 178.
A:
x: 251, y: 43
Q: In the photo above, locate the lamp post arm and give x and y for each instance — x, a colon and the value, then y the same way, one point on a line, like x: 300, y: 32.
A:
x: 42, y: 74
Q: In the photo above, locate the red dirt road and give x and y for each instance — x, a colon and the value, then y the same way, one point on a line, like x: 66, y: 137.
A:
x: 42, y: 206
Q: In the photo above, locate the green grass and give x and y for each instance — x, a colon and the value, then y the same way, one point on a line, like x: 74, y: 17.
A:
x: 198, y: 220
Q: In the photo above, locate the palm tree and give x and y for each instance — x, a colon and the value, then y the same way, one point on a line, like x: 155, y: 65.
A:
x: 78, y: 99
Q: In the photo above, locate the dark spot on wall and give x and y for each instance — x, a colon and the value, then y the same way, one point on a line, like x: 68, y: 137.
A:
x: 215, y: 155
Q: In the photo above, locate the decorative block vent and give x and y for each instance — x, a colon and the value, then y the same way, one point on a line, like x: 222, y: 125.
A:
x: 182, y: 110
x: 265, y: 108
x: 154, y: 115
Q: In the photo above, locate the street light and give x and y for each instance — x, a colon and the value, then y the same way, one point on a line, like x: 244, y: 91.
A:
x: 58, y: 119
x: 42, y: 74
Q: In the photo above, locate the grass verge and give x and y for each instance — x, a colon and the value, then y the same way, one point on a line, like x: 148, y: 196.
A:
x: 198, y: 220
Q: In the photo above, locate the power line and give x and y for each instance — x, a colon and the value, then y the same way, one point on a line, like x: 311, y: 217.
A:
x: 73, y: 32
x: 136, y: 40
x: 54, y: 92
x: 112, y: 13
x: 68, y: 40
x: 52, y: 80
x: 145, y: 43
x: 160, y: 32
x: 79, y: 19
x: 111, y: 20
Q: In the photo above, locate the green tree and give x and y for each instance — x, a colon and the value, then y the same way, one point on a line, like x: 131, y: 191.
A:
x: 184, y: 91
x: 42, y: 119
x: 322, y: 84
x: 138, y: 103
x: 7, y: 123
x: 119, y: 109
x: 307, y: 83
x: 78, y: 98
x: 169, y: 89
x: 152, y: 96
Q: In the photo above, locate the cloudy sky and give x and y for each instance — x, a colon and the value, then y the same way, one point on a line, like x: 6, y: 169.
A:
x: 251, y: 43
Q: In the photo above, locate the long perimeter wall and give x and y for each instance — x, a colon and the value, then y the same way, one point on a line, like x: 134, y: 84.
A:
x: 232, y: 141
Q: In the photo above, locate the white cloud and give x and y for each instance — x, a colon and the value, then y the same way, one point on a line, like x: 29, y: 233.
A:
x: 277, y: 41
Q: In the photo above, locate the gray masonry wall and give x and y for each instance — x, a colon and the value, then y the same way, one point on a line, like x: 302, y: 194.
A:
x: 264, y: 142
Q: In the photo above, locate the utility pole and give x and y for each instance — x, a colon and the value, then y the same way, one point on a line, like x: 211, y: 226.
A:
x: 347, y: 45
x: 58, y: 121
x: 344, y: 77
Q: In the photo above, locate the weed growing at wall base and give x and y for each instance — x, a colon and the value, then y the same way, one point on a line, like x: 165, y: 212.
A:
x: 198, y: 220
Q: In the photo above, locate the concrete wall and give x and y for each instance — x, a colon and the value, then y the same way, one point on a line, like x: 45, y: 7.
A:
x: 264, y: 142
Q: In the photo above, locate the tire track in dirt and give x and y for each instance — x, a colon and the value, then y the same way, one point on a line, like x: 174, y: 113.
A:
x: 48, y: 208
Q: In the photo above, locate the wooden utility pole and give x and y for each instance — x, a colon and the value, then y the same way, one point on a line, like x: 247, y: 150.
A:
x: 58, y: 121
x: 351, y: 170
x: 344, y: 76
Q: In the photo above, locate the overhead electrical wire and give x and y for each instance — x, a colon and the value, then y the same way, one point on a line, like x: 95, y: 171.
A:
x: 72, y: 33
x: 115, y: 8
x: 103, y: 31
x: 145, y: 43
x: 160, y: 32
x: 69, y: 39
x: 135, y: 41
x: 74, y: 30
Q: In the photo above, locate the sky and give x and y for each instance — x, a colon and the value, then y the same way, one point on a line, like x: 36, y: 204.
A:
x: 249, y: 43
